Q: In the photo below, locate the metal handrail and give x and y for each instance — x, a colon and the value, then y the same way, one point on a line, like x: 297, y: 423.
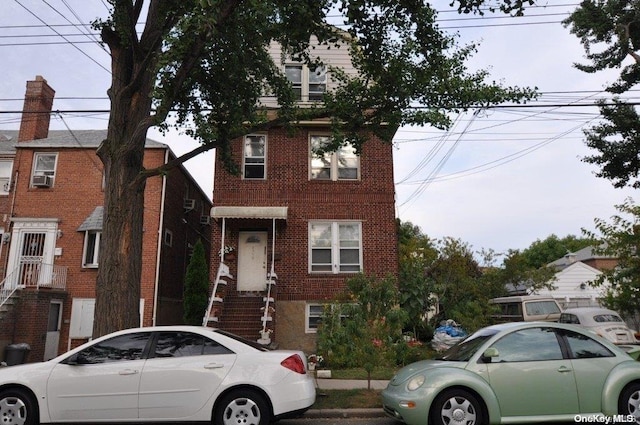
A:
x: 33, y: 274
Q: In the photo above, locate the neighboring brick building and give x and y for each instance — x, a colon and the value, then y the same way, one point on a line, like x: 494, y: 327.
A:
x: 314, y: 221
x: 52, y: 210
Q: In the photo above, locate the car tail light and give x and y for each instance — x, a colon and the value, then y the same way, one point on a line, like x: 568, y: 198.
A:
x: 294, y: 363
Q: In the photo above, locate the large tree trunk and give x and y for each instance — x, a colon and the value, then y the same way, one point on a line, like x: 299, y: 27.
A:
x: 118, y: 282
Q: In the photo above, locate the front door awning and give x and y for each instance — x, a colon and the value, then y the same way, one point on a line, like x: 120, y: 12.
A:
x: 250, y: 212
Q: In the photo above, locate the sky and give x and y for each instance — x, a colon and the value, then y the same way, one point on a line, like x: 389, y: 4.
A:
x: 499, y: 179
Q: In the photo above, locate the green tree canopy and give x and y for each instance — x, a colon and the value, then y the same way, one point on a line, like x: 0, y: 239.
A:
x: 196, y: 286
x: 620, y: 238
x: 610, y: 35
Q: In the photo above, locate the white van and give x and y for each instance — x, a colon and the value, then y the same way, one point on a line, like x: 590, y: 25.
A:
x: 526, y: 308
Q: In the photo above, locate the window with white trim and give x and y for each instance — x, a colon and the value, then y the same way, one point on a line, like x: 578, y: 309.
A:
x: 308, y: 84
x: 44, y: 164
x: 335, y: 247
x: 254, y: 158
x: 313, y: 317
x: 91, y: 250
x: 6, y: 168
x: 343, y: 164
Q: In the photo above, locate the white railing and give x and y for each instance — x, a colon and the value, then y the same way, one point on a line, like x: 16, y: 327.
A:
x: 33, y: 275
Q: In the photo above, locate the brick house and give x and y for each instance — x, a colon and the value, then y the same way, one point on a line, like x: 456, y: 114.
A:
x: 299, y: 224
x: 52, y: 219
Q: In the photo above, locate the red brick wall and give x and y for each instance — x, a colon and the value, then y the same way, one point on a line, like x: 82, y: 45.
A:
x: 77, y: 190
x: 369, y: 200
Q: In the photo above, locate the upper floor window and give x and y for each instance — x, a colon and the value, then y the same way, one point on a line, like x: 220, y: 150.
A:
x: 255, y: 156
x: 308, y: 84
x: 335, y: 247
x: 6, y: 168
x: 91, y: 248
x: 343, y: 164
x: 44, y: 169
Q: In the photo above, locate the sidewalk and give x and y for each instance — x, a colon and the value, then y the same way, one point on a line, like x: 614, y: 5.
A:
x: 346, y: 384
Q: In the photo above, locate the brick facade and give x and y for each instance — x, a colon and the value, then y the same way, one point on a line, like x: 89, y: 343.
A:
x: 368, y: 200
x: 75, y: 193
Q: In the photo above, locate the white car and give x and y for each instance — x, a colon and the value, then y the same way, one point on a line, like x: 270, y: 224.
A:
x: 606, y: 323
x: 159, y: 374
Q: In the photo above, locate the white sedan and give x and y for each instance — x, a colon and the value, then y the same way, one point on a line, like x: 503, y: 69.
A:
x: 172, y: 374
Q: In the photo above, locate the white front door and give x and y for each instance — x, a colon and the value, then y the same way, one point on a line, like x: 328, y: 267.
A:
x: 252, y: 261
x: 53, y: 330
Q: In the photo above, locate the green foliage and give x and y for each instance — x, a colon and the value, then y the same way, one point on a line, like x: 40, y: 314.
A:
x: 196, y: 286
x: 361, y: 327
x: 609, y: 33
x: 620, y: 238
x: 542, y: 252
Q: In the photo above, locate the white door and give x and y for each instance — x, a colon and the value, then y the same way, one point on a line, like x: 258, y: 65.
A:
x: 53, y: 330
x: 31, y: 252
x: 252, y: 261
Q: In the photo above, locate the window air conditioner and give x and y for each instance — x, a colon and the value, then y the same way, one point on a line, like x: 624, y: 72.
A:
x: 205, y: 219
x: 41, y: 181
x: 189, y: 204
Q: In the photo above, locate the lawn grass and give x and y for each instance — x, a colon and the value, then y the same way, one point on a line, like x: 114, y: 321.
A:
x: 348, y: 399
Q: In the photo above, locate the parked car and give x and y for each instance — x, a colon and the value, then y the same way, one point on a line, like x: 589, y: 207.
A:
x: 518, y: 372
x: 159, y: 374
x: 526, y: 308
x: 606, y: 323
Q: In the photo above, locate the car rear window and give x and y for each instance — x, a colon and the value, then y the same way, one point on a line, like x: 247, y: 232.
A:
x: 604, y: 318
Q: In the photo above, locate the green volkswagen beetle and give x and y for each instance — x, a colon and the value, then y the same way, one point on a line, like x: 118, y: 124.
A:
x: 519, y: 373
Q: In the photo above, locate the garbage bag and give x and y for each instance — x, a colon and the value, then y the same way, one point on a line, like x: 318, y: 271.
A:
x: 448, y: 334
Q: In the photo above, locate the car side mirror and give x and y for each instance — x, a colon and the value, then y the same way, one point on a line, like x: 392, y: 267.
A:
x: 76, y: 359
x: 490, y: 353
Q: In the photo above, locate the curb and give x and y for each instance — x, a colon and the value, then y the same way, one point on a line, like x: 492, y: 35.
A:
x: 343, y: 413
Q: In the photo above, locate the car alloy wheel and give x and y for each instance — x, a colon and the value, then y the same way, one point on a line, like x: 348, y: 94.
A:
x: 16, y: 408
x: 455, y: 407
x: 630, y: 402
x: 242, y: 407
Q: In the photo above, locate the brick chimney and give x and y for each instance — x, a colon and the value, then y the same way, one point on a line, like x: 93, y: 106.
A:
x: 36, y: 112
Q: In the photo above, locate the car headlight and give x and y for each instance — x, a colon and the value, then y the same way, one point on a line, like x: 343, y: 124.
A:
x: 415, y: 382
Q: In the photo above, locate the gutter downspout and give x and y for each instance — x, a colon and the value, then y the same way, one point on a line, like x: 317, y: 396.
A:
x: 159, y: 248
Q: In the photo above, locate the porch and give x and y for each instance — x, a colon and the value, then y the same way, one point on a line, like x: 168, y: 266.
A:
x: 33, y: 275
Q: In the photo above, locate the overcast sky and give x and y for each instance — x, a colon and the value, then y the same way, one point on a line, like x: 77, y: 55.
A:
x: 499, y: 179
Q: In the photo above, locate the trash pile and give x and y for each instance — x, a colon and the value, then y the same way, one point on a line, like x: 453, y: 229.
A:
x: 448, y: 334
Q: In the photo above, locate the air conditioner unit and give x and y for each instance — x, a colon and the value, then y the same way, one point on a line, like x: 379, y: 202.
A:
x: 189, y: 204
x: 42, y: 181
x: 205, y: 219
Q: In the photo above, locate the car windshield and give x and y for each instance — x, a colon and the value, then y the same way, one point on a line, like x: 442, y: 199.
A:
x: 465, y: 349
x: 603, y: 318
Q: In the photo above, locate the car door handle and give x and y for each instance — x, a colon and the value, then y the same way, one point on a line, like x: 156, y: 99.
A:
x: 564, y: 369
x: 128, y: 372
x: 213, y: 366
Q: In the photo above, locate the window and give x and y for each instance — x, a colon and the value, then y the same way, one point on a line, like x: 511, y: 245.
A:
x: 308, y: 84
x: 254, y: 156
x: 527, y: 345
x: 294, y: 75
x: 314, y: 317
x: 44, y: 169
x: 342, y: 164
x: 335, y: 247
x: 583, y: 347
x: 91, y: 248
x: 182, y: 344
x: 120, y: 348
x: 168, y: 237
x: 6, y: 167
